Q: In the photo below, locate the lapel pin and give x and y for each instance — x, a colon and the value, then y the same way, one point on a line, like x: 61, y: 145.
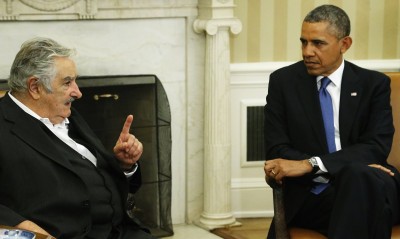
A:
x: 353, y: 94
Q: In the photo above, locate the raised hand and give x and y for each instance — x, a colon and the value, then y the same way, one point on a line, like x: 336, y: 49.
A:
x: 128, y: 148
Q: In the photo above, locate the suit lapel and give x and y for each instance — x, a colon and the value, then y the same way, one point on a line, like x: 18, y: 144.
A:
x: 80, y: 129
x: 308, y: 92
x: 350, y: 97
x: 33, y: 132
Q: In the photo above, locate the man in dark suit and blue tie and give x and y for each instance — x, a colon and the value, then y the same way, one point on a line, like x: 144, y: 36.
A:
x: 328, y: 131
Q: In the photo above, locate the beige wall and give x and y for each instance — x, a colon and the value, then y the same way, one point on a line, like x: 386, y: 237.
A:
x: 271, y: 29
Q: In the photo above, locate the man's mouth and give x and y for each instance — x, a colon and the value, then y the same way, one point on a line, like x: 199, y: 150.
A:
x: 70, y: 101
x: 311, y: 63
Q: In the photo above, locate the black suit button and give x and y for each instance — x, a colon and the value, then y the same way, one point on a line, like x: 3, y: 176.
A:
x: 85, y: 203
x: 85, y: 229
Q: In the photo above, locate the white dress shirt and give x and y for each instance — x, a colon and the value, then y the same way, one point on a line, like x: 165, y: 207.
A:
x: 334, y: 90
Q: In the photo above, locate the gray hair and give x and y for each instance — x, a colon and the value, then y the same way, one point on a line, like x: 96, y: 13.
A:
x: 36, y: 58
x: 337, y: 18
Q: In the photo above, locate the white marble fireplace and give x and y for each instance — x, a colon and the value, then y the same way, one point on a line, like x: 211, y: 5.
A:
x: 184, y: 43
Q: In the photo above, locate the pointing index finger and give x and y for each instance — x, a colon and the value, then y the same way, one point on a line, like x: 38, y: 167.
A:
x: 126, y: 127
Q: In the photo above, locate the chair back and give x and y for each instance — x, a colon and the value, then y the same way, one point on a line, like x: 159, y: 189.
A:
x: 394, y: 156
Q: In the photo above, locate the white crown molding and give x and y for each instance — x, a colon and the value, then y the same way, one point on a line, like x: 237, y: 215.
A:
x: 379, y: 65
x: 256, y: 74
x: 391, y: 65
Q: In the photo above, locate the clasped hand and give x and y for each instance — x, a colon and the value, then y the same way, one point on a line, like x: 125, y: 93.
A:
x: 128, y: 148
x: 280, y: 168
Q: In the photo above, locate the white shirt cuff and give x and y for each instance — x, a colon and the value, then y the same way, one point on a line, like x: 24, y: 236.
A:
x: 132, y: 172
x: 322, y: 168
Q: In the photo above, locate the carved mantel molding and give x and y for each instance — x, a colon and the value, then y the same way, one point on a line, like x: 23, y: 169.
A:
x: 49, y: 5
x: 37, y: 10
x: 19, y: 10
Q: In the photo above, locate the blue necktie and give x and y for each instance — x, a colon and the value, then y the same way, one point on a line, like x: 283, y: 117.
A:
x: 327, y: 115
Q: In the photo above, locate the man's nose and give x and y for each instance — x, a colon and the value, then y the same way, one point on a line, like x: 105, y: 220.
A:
x: 76, y: 93
x: 308, y: 50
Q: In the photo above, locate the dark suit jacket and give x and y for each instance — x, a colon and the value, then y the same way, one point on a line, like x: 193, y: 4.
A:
x: 38, y: 183
x: 294, y: 126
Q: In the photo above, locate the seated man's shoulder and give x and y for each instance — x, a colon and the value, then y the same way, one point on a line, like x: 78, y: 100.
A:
x: 365, y: 73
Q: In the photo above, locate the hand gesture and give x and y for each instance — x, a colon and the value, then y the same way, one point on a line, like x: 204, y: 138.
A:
x: 128, y: 148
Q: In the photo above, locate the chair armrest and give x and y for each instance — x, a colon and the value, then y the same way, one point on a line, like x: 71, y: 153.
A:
x: 281, y: 230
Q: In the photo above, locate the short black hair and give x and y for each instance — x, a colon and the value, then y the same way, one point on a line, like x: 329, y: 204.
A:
x: 336, y: 17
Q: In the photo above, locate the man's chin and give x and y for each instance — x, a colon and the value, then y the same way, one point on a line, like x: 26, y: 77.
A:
x: 312, y: 68
x: 313, y: 71
x: 67, y: 114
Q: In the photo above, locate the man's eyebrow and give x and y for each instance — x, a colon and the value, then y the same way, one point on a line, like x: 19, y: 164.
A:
x: 318, y: 40
x: 312, y: 40
x: 70, y: 78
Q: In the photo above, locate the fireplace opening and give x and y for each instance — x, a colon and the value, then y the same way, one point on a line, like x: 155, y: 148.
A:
x: 105, y: 104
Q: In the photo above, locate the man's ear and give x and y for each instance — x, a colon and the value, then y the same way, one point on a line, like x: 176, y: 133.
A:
x: 34, y: 87
x: 346, y: 44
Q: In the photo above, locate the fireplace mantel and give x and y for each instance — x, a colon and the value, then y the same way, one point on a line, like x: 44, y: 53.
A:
x: 24, y: 10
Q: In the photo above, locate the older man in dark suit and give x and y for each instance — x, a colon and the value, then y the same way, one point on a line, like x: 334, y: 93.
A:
x: 56, y: 178
x: 328, y: 131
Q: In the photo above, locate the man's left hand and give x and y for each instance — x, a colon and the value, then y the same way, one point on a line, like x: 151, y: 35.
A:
x: 384, y: 169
